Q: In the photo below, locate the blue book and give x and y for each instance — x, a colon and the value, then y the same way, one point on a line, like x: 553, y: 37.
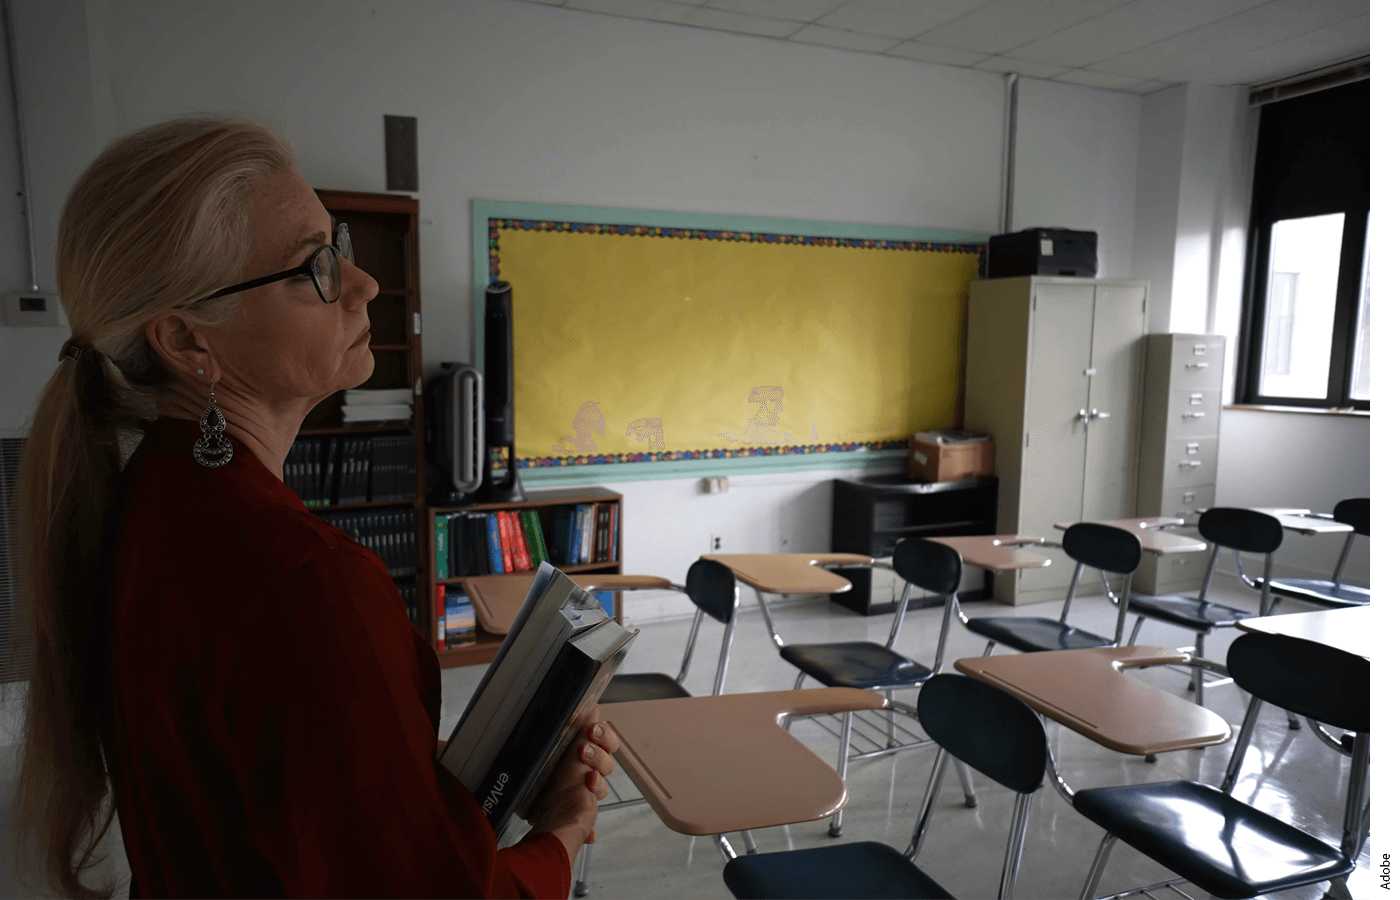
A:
x: 493, y: 538
x: 576, y: 535
x: 605, y: 598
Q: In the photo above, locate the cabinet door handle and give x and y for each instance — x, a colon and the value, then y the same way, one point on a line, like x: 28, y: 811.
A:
x: 1083, y: 416
x: 1197, y: 365
x: 1096, y: 414
x: 1193, y: 415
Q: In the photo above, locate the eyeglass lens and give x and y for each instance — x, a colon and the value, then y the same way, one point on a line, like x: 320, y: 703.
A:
x: 326, y: 264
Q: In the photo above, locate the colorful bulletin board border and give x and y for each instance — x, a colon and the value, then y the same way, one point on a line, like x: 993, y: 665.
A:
x: 491, y: 218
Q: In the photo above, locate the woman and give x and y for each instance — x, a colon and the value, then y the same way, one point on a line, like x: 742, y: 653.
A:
x: 238, y: 674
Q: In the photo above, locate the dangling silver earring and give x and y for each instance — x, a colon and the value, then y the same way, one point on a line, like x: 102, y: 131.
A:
x: 213, y: 450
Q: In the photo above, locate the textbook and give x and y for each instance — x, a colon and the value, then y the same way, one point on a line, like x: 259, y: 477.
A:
x: 559, y: 656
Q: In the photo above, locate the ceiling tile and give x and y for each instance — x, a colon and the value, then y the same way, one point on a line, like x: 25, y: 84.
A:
x: 1006, y: 24
x: 546, y: 2
x: 1345, y: 40
x: 657, y: 10
x: 792, y: 10
x: 896, y: 18
x: 846, y: 40
x: 705, y: 17
x: 1096, y: 79
x: 1020, y: 67
x: 1126, y: 28
x: 1237, y: 34
x: 943, y: 55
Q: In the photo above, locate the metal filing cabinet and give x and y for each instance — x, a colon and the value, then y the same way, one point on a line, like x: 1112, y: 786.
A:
x: 1054, y: 373
x: 1180, y: 447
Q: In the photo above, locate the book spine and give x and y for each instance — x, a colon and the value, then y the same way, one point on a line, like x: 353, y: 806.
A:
x: 521, y: 758
x: 615, y: 524
x: 442, y: 617
x: 575, y: 532
x: 493, y: 540
x: 440, y: 546
x: 522, y: 551
x: 535, y: 537
x: 507, y: 549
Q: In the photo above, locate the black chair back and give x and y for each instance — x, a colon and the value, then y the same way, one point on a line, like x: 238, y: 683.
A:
x: 1103, y: 547
x: 1308, y: 678
x: 1355, y: 512
x: 710, y: 586
x: 937, y: 568
x: 1241, y: 529
x: 986, y: 728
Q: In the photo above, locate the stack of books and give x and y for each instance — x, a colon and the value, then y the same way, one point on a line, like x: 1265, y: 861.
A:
x: 335, y: 471
x: 551, y: 669
x: 392, y: 406
x: 497, y: 542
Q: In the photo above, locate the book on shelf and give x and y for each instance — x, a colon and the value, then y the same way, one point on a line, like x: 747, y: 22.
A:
x: 549, y: 672
x: 470, y: 542
x: 441, y: 611
x: 459, y: 616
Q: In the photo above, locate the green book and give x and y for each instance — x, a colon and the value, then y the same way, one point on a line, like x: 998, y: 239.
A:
x: 440, y: 531
x: 534, y: 537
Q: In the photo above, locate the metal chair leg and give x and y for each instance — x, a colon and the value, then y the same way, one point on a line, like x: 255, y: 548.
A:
x: 988, y: 651
x: 750, y: 845
x: 725, y: 848
x: 889, y: 721
x: 581, y: 885
x: 1096, y: 870
x: 965, y: 776
x: 787, y: 720
x: 1137, y: 626
x: 841, y: 759
x: 1198, y: 674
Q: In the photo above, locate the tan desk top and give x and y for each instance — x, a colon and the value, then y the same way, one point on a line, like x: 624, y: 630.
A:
x: 789, y: 573
x: 1087, y: 691
x: 710, y: 765
x: 996, y: 551
x: 1148, y: 530
x: 1354, y: 630
x: 498, y: 598
x: 1301, y: 520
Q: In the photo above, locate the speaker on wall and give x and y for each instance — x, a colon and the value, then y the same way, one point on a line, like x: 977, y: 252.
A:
x: 499, y: 394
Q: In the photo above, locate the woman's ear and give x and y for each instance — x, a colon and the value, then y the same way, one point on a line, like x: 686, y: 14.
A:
x: 182, y: 348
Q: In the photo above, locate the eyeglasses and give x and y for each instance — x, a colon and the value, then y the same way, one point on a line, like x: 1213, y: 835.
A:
x: 323, y: 268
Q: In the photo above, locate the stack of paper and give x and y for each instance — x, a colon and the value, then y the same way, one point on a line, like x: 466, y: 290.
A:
x: 392, y: 405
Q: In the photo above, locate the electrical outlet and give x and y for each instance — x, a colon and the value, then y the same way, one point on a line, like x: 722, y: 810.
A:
x: 714, y: 543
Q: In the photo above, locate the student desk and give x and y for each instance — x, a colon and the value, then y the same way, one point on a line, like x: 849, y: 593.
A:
x: 996, y: 552
x: 1087, y: 691
x: 789, y: 573
x: 711, y: 765
x: 498, y: 598
x: 1302, y: 521
x: 1149, y: 531
x: 1354, y: 630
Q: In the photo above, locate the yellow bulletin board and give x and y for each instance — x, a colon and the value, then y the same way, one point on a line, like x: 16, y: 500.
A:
x: 673, y: 338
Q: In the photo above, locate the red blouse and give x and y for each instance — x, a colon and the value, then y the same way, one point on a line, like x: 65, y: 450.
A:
x: 275, y: 714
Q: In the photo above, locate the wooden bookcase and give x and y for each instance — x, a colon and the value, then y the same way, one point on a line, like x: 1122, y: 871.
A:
x: 384, y: 232
x: 485, y: 646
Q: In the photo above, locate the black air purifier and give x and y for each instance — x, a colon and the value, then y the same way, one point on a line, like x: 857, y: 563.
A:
x: 456, y: 435
x: 498, y: 373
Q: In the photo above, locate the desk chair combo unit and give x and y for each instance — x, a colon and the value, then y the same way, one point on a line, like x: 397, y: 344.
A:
x: 1102, y: 547
x: 1240, y: 530
x: 975, y: 723
x: 1223, y: 844
x: 1334, y: 594
x: 867, y: 665
x: 713, y: 590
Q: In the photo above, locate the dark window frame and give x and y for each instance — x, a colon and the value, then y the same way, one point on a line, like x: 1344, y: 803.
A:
x: 1312, y: 159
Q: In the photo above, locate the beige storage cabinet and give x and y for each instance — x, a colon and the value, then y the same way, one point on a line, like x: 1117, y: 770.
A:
x: 1054, y: 374
x: 1180, y: 443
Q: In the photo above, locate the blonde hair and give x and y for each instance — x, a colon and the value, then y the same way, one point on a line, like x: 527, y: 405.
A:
x: 157, y: 222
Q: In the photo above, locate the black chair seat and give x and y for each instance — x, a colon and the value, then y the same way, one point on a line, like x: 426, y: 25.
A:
x: 1030, y: 635
x: 1198, y: 831
x: 1188, y: 612
x: 1322, y: 593
x: 864, y: 869
x: 642, y: 686
x: 857, y: 664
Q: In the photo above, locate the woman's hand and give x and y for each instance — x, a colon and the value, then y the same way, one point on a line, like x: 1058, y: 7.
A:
x: 568, y: 806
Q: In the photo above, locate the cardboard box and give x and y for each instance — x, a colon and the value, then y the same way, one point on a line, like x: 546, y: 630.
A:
x: 930, y: 459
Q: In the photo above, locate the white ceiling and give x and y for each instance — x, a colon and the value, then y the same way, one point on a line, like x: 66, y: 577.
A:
x: 1129, y: 45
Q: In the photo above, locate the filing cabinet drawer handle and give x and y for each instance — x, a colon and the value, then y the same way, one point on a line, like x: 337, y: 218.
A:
x: 1197, y: 365
x: 1193, y: 415
x: 1190, y: 463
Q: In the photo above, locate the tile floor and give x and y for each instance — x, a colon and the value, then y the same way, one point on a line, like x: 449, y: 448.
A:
x: 637, y: 856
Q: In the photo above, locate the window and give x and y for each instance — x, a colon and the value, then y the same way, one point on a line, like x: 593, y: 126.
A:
x: 1306, y: 329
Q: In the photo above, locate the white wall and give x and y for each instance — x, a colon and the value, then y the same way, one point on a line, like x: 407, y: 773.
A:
x: 526, y: 102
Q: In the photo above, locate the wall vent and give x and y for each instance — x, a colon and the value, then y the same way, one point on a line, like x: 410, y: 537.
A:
x: 1311, y: 81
